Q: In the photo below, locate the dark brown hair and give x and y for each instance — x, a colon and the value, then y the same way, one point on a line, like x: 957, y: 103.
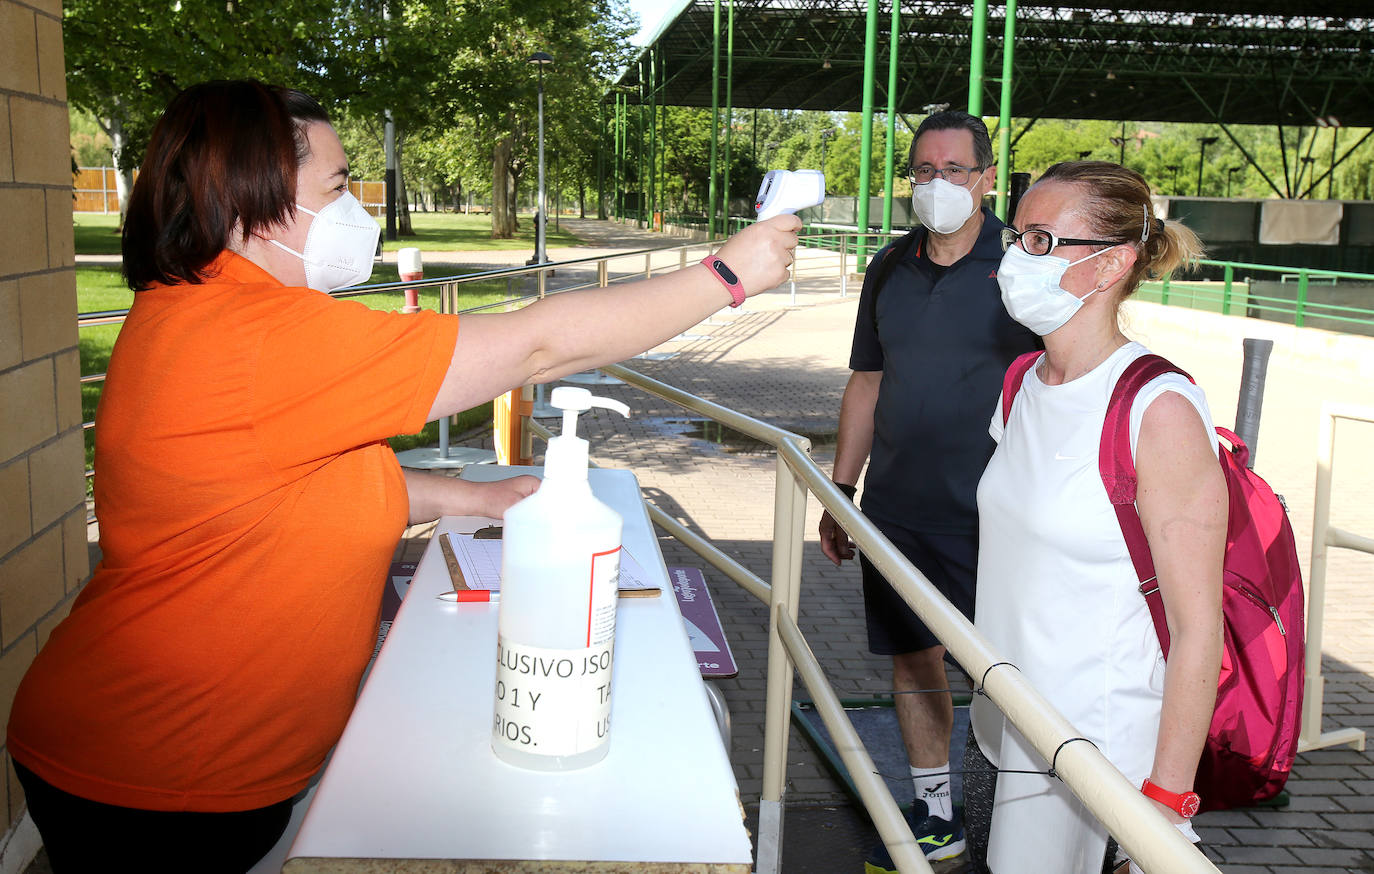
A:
x: 953, y: 119
x: 1116, y: 205
x: 222, y: 160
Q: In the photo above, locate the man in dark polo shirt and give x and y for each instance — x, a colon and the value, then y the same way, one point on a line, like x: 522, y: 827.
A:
x: 930, y: 347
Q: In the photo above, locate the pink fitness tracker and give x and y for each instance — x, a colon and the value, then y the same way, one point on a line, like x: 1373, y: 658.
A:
x: 727, y: 278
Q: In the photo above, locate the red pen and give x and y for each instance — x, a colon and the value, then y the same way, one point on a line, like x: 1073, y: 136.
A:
x: 470, y: 595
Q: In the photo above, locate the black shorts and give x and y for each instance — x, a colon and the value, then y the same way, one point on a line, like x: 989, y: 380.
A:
x: 949, y: 561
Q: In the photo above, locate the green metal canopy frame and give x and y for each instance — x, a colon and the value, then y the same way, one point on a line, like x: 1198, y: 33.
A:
x: 1297, y: 63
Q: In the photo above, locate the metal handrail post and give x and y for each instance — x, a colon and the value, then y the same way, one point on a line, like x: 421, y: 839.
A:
x: 1323, y: 536
x: 789, y: 522
x: 1301, y: 305
x: 1228, y: 276
x: 602, y: 273
x: 648, y: 266
x: 873, y: 792
x: 525, y: 412
x: 682, y: 258
x: 844, y: 263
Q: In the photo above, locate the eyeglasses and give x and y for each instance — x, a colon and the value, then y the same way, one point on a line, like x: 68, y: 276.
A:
x: 954, y: 174
x: 1038, y: 242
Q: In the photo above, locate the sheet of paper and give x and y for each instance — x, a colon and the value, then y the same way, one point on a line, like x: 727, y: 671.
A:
x: 633, y: 577
x: 481, y: 564
x: 479, y: 559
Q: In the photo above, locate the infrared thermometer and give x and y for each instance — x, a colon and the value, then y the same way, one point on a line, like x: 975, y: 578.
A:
x: 788, y: 191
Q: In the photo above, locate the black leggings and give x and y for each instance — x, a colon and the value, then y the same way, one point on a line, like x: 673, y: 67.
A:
x: 980, y: 784
x: 82, y: 835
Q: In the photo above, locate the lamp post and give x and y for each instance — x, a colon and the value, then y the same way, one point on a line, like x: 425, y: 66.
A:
x: 540, y: 60
x: 557, y: 191
x: 1173, y: 184
x: 1231, y: 171
x: 1120, y: 143
x: 825, y: 135
x: 768, y: 150
x: 1203, y: 143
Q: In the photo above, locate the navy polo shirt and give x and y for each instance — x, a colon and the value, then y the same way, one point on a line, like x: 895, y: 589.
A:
x: 943, y: 340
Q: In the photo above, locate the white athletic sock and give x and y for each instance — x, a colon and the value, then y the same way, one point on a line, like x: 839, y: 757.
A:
x: 932, y: 787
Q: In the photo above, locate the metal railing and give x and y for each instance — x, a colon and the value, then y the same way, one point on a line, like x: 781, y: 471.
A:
x: 1149, y: 839
x: 1324, y: 536
x: 1232, y: 296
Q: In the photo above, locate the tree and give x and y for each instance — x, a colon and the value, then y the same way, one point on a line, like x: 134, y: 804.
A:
x: 441, y: 65
x: 126, y: 61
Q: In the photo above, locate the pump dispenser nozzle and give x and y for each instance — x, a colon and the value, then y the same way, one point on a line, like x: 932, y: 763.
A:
x: 567, y: 453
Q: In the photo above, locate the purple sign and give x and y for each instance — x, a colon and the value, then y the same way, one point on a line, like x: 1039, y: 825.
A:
x: 703, y: 625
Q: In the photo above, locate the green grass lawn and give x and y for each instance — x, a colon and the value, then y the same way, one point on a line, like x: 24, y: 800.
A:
x: 100, y: 288
x: 96, y: 233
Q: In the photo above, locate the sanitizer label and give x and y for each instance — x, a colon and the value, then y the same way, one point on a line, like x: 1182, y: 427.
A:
x: 601, y: 597
x: 552, y: 702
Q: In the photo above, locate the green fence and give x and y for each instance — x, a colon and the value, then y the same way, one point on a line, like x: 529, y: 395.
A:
x: 1329, y: 299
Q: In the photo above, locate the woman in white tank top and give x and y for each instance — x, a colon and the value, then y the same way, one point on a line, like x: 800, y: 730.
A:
x: 1057, y: 593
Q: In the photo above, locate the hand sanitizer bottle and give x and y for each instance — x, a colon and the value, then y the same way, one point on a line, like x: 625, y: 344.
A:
x: 560, y: 560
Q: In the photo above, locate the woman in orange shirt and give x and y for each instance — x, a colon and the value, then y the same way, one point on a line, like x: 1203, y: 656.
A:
x: 248, y: 503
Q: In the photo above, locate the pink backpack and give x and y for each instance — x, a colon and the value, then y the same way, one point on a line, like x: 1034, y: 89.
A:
x: 1254, y: 732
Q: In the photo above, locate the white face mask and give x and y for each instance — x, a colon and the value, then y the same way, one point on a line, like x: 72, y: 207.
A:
x: 942, y: 206
x: 339, y: 245
x: 1031, y: 291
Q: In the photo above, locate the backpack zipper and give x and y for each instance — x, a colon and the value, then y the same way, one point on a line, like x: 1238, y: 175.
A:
x: 1273, y: 611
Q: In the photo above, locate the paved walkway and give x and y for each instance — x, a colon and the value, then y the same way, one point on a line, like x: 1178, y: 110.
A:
x: 783, y: 360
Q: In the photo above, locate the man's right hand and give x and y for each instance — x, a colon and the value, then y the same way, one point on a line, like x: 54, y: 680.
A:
x: 835, y: 543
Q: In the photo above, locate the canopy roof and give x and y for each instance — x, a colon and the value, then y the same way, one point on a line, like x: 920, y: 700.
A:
x: 1230, y: 61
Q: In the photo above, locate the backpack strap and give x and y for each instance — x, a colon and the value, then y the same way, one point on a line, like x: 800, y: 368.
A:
x: 894, y: 255
x: 1117, y: 468
x: 1012, y: 379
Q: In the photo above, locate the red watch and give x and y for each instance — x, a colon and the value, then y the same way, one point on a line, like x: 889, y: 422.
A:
x: 1185, y: 804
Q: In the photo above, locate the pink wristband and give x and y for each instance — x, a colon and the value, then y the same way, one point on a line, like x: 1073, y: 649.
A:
x: 727, y: 278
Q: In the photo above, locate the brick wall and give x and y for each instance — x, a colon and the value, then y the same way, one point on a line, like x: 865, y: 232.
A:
x: 43, y: 558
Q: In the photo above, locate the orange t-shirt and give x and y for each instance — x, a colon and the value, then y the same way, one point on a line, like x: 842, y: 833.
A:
x: 249, y: 509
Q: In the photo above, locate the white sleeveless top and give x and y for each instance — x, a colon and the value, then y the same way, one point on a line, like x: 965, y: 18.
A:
x: 1058, y: 597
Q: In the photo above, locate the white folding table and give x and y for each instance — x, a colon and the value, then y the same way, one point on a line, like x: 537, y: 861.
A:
x: 414, y: 786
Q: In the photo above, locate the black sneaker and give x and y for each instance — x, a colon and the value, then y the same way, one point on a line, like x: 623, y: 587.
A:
x: 938, y: 838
